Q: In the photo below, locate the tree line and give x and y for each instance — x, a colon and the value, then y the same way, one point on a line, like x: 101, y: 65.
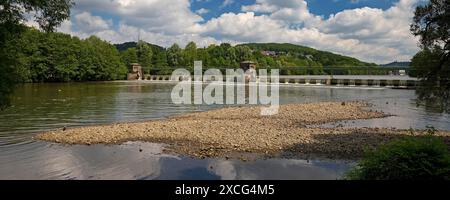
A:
x: 290, y: 59
x: 58, y: 57
x: 48, y: 14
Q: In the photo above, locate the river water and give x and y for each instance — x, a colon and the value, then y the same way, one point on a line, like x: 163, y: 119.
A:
x: 41, y: 107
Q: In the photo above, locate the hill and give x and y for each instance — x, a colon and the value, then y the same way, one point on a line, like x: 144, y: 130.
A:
x: 297, y: 52
x: 268, y: 54
x: 127, y: 45
x: 397, y: 64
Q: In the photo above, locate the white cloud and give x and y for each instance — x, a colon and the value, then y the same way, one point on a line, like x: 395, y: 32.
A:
x: 227, y: 3
x: 202, y: 11
x: 88, y: 23
x: 167, y: 16
x: 125, y: 33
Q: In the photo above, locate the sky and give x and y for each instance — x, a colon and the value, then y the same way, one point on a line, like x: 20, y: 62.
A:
x: 370, y: 30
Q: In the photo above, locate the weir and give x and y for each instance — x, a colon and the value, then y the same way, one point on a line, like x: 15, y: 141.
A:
x: 395, y: 82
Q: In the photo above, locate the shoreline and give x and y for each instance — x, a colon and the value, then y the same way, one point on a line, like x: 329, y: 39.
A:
x: 235, y: 131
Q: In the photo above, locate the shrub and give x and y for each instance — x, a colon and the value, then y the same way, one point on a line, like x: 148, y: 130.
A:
x: 412, y: 158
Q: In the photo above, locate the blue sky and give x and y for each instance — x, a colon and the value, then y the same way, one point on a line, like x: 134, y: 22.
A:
x: 370, y: 30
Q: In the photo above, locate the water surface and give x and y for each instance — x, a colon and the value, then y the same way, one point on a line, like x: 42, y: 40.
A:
x: 41, y: 107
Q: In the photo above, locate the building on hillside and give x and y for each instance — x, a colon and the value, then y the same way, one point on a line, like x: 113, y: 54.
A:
x: 135, y: 72
x: 269, y: 53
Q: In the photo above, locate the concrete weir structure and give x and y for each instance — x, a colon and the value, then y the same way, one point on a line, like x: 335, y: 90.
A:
x: 396, y: 82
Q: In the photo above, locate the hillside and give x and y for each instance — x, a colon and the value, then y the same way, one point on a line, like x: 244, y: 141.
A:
x: 271, y: 54
x: 289, y: 58
x: 397, y: 64
x: 297, y: 52
x: 127, y: 45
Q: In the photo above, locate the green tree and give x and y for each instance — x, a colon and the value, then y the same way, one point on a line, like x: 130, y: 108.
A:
x: 129, y: 56
x: 144, y: 55
x: 431, y: 23
x: 174, y: 57
x: 48, y: 14
x: 104, y: 61
x: 243, y: 53
x: 190, y: 54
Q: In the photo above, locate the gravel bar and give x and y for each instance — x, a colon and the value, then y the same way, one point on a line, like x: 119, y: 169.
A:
x: 238, y: 131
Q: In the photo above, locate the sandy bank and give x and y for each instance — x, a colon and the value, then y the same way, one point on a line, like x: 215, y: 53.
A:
x: 230, y: 131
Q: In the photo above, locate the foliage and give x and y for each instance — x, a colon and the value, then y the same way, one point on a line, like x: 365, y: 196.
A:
x: 144, y: 55
x: 174, y: 56
x: 8, y: 73
x: 413, y: 158
x: 432, y: 64
x: 129, y: 56
x: 48, y: 14
x: 57, y: 57
x: 432, y: 24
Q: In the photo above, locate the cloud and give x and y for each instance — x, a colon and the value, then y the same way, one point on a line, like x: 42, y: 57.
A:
x: 88, y: 23
x: 167, y: 16
x: 385, y: 28
x: 226, y: 3
x: 369, y: 34
x: 202, y: 11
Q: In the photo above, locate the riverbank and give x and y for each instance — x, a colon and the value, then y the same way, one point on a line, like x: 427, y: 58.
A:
x: 235, y: 131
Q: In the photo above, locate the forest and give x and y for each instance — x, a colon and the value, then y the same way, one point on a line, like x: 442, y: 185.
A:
x: 58, y: 57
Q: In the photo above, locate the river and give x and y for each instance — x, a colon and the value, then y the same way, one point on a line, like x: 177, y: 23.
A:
x: 41, y: 107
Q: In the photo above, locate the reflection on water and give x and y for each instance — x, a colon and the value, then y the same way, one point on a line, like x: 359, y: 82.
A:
x: 435, y: 97
x: 40, y: 107
x: 136, y: 160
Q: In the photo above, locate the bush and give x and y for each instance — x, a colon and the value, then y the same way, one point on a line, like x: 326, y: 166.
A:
x: 413, y: 158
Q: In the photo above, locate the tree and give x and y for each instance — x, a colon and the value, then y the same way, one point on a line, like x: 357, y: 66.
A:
x: 160, y: 63
x: 104, y: 60
x: 243, y: 53
x: 432, y: 24
x: 190, y: 54
x: 432, y: 65
x: 48, y: 14
x: 174, y: 55
x: 129, y: 56
x: 144, y: 55
x: 58, y: 57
